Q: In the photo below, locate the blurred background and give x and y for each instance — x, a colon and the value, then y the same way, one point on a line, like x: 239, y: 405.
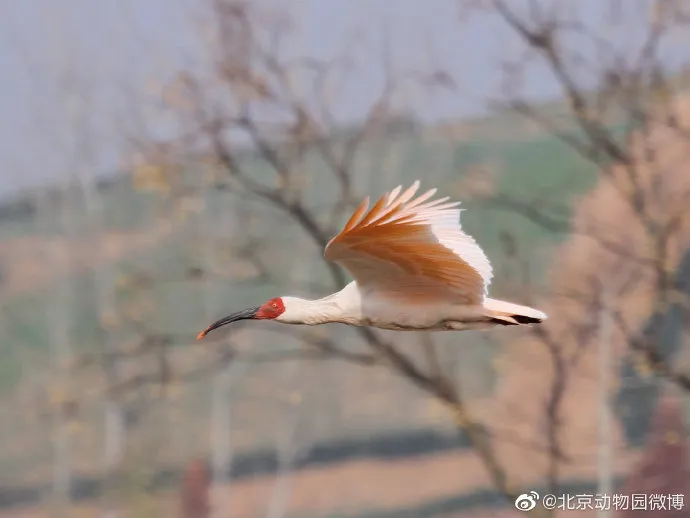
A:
x: 166, y: 162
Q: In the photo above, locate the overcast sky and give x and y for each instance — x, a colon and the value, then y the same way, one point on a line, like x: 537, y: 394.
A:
x: 79, y: 65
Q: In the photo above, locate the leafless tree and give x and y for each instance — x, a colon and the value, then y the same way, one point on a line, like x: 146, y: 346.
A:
x: 624, y: 110
x: 259, y: 127
x: 253, y: 122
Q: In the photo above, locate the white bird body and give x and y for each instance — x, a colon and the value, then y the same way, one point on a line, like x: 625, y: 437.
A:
x: 349, y: 306
x: 414, y: 269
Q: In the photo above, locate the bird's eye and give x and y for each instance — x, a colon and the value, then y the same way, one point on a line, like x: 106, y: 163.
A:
x: 274, y: 305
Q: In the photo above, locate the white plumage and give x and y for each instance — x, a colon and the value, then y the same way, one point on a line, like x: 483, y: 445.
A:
x: 414, y: 268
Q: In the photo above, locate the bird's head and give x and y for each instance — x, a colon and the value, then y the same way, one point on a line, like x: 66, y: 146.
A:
x: 272, y: 309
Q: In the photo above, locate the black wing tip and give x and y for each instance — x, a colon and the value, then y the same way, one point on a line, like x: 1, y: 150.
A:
x: 517, y: 320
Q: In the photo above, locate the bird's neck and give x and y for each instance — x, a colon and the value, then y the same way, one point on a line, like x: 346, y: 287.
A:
x: 342, y: 307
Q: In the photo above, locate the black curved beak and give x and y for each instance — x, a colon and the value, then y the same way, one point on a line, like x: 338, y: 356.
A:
x: 245, y: 314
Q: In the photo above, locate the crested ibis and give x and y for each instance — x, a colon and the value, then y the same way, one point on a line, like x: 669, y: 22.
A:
x: 414, y: 268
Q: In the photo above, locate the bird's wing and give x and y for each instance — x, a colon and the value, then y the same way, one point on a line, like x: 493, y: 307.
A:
x: 412, y: 247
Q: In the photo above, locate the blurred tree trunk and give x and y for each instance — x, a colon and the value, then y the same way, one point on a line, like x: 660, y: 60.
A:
x: 292, y: 435
x: 221, y: 416
x: 60, y: 339
x: 114, y: 418
x: 235, y: 38
x: 660, y: 343
x: 221, y: 447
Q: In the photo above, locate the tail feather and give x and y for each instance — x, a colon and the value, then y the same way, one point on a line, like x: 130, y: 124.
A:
x: 509, y: 314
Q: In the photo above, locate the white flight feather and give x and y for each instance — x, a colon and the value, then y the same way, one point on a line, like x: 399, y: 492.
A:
x: 445, y: 225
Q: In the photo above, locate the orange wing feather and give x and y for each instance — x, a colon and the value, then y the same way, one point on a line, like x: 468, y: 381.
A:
x: 411, y: 248
x: 357, y: 216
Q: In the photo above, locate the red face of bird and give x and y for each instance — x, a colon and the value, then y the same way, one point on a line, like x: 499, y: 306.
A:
x: 270, y: 310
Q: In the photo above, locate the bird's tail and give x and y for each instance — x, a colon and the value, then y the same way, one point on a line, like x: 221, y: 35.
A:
x: 509, y: 314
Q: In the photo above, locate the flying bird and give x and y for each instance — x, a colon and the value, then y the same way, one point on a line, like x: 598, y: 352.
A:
x: 414, y: 268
